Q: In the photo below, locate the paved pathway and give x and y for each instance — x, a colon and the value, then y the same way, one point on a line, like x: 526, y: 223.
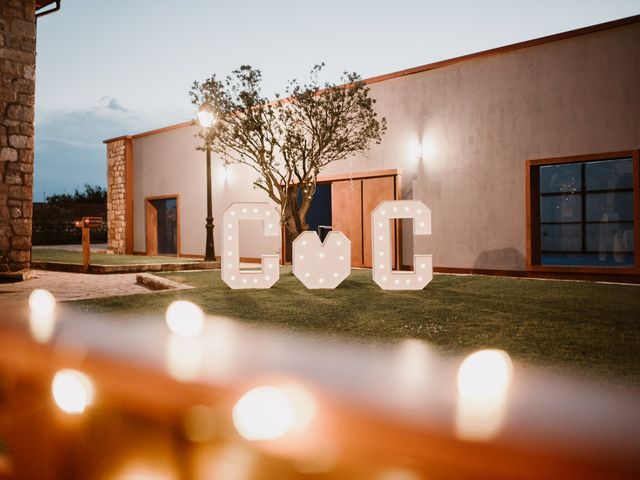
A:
x: 77, y: 286
x: 70, y: 286
x: 95, y: 247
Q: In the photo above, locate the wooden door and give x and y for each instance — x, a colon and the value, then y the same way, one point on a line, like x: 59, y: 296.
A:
x: 151, y: 221
x: 346, y: 215
x: 352, y: 202
x: 374, y: 191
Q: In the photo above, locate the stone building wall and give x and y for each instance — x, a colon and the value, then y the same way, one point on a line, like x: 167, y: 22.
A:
x: 17, y: 88
x: 116, y: 196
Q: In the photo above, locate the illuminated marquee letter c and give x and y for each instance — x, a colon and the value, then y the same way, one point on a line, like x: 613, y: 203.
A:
x: 383, y: 273
x: 231, y: 274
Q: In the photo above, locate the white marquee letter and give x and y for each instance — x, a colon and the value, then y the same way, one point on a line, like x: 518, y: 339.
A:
x: 382, y: 256
x: 321, y: 265
x: 231, y: 274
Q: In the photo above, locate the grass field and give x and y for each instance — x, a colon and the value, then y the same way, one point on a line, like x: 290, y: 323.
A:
x: 65, y: 256
x: 590, y: 327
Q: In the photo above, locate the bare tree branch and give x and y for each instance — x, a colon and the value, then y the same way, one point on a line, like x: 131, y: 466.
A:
x: 287, y: 142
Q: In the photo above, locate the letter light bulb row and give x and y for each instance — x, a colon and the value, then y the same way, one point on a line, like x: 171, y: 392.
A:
x: 326, y: 265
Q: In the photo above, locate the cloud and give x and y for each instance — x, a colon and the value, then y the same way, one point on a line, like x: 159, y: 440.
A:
x: 69, y: 148
x: 114, y: 105
x: 69, y: 151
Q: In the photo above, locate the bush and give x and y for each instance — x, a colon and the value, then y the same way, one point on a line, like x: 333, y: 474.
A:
x: 55, y: 224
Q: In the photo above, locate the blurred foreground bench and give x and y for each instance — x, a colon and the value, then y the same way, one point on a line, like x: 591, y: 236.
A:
x: 87, y: 397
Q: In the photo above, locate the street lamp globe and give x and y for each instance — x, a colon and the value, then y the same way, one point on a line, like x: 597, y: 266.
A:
x: 206, y: 117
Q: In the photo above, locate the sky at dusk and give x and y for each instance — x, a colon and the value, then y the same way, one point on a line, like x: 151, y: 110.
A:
x: 109, y: 68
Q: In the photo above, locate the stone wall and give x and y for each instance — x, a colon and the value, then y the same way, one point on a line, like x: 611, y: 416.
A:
x: 17, y: 87
x: 116, y: 195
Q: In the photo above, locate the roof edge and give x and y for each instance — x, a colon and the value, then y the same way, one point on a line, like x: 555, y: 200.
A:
x: 152, y: 132
x: 165, y: 129
x: 115, y: 139
x: 507, y: 48
x: 445, y: 63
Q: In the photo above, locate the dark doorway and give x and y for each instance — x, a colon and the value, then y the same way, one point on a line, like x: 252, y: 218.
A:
x: 162, y: 226
x: 318, y: 216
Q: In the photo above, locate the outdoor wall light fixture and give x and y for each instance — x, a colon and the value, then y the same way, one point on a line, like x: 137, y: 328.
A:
x: 418, y: 150
x: 424, y: 148
x: 206, y: 119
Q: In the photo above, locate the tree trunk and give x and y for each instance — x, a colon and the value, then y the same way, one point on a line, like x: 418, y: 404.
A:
x: 295, y: 215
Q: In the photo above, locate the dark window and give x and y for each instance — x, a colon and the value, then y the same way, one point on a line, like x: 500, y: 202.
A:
x: 319, y: 213
x: 167, y: 227
x: 586, y: 213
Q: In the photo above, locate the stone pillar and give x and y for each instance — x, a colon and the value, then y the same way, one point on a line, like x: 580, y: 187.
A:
x: 116, y: 194
x: 17, y: 87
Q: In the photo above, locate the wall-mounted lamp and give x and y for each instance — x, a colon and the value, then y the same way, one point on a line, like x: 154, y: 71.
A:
x: 418, y: 150
x: 424, y: 148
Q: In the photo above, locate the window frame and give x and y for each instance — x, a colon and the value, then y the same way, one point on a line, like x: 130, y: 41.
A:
x: 533, y: 241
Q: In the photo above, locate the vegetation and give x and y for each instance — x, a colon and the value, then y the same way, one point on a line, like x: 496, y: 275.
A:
x: 91, y: 194
x: 288, y: 141
x: 54, y: 221
x: 581, y: 326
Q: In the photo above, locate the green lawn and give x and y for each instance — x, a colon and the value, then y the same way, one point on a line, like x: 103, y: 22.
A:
x: 590, y: 327
x: 65, y: 256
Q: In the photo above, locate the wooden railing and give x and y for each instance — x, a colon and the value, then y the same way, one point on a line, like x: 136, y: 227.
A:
x: 239, y: 403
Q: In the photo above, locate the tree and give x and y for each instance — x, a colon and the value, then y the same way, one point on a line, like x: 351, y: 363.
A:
x: 288, y: 141
x: 91, y: 194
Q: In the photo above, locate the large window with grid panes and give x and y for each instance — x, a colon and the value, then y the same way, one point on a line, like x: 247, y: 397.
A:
x: 583, y: 213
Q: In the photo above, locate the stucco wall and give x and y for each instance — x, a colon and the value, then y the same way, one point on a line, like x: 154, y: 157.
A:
x: 169, y: 163
x: 478, y: 121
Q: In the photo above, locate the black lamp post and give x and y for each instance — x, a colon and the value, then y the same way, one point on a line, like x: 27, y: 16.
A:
x: 206, y: 119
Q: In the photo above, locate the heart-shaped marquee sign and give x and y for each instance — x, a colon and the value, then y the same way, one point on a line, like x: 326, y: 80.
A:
x: 321, y: 265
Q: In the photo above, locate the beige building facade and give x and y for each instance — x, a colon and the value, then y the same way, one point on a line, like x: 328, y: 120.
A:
x: 527, y: 156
